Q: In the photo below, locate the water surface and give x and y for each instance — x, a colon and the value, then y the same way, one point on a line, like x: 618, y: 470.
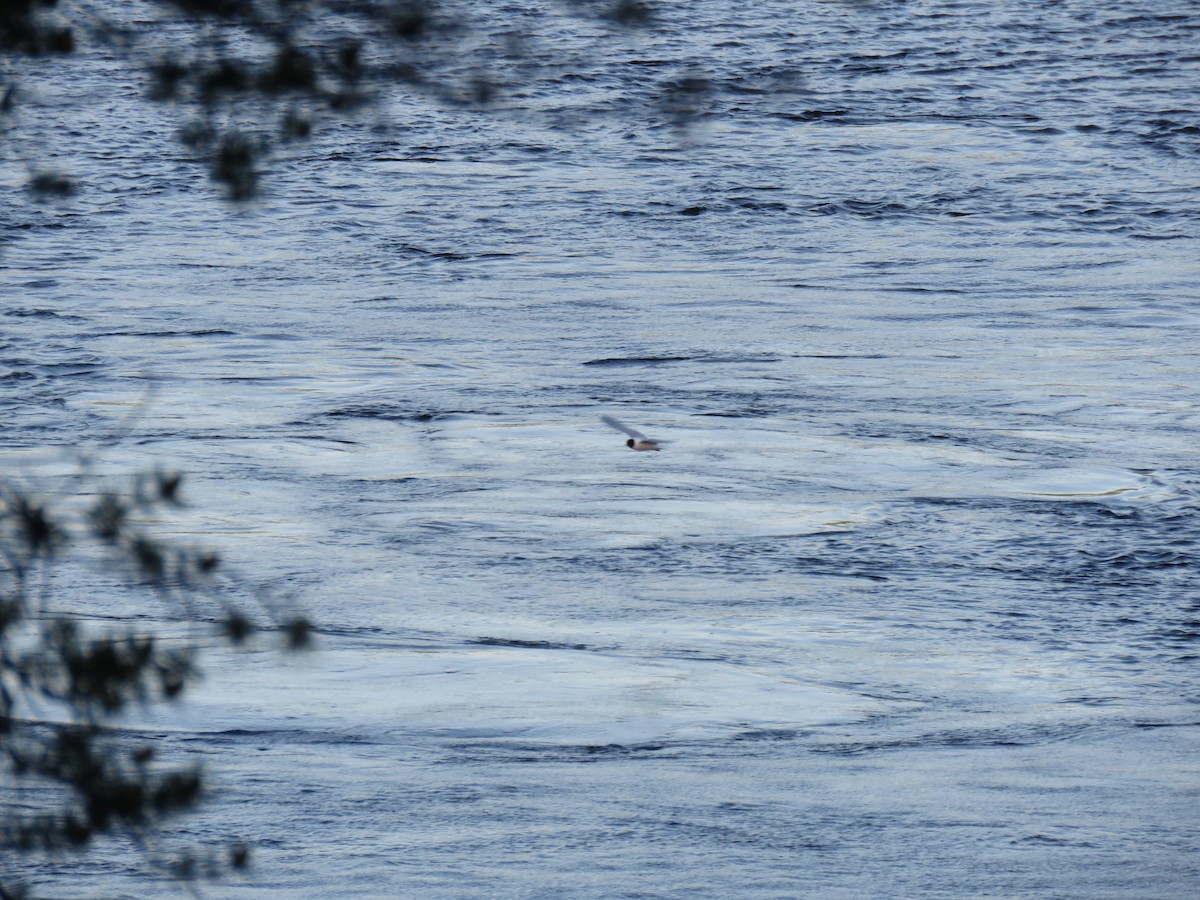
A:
x: 907, y: 607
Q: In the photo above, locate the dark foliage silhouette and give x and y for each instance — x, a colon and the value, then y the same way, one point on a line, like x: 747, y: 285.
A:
x: 74, y: 773
x: 247, y: 76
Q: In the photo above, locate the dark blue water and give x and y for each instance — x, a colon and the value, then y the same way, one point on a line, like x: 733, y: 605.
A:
x: 908, y: 606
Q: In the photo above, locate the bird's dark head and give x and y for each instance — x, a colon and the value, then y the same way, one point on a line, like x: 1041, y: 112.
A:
x: 629, y: 443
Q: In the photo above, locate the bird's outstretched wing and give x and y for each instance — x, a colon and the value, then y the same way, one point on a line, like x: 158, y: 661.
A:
x: 621, y: 426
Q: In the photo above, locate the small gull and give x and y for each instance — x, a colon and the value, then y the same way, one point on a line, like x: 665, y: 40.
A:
x: 637, y: 440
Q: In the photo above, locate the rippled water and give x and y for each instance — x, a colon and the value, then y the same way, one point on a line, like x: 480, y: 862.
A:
x: 908, y: 606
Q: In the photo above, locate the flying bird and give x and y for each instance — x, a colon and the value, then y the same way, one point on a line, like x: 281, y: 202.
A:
x: 637, y: 440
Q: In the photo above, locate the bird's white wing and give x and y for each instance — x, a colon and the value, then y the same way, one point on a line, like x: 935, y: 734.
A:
x: 621, y: 426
